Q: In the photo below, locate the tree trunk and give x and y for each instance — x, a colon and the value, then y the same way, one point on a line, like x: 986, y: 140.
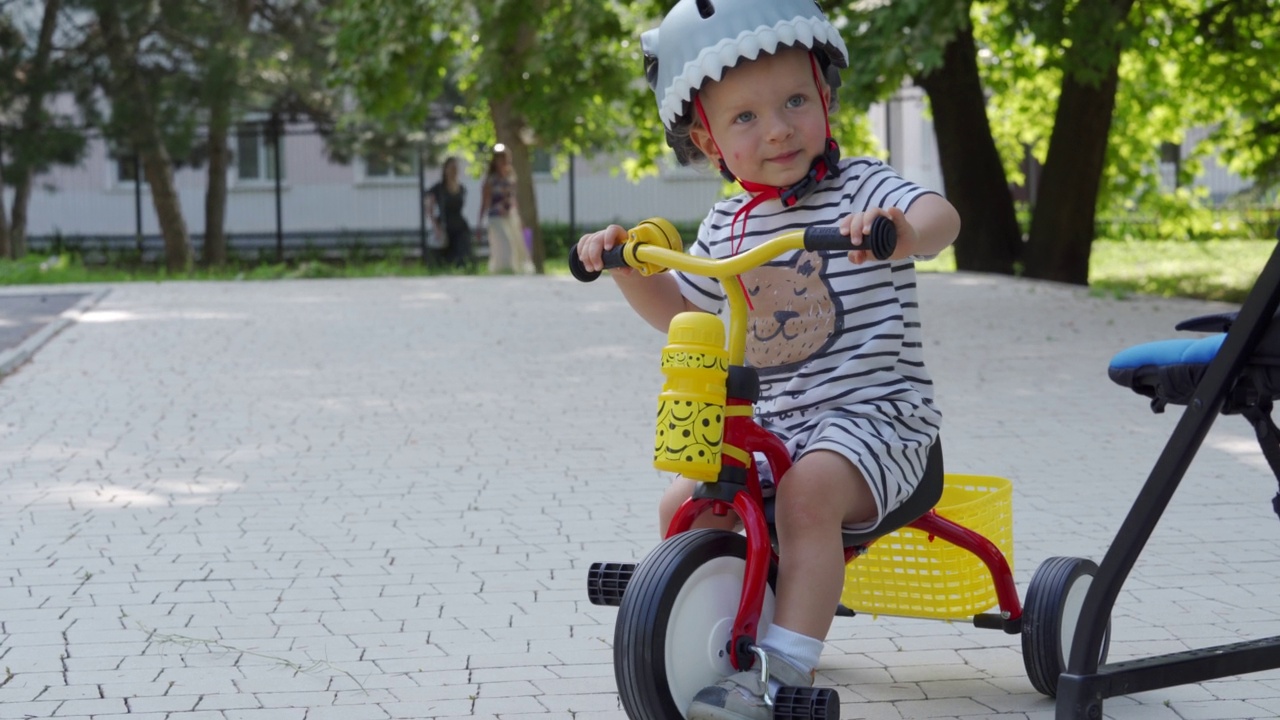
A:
x: 215, y: 196
x: 1062, y: 222
x: 6, y: 249
x: 972, y: 174
x: 32, y: 124
x: 223, y: 77
x: 514, y: 31
x: 129, y: 90
x: 18, y: 226
x: 158, y: 167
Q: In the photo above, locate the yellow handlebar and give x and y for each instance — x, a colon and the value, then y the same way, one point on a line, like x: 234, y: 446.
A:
x: 638, y: 254
x: 654, y: 246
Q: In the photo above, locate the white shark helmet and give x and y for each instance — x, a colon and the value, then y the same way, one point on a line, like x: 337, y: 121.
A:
x: 700, y: 39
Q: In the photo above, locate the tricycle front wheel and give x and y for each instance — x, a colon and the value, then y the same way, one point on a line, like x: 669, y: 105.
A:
x: 676, y: 619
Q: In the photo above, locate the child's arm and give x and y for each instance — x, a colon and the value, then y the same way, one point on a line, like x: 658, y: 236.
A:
x: 656, y: 298
x: 927, y: 228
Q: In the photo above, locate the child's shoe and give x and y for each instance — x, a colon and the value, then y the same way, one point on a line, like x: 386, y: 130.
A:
x: 741, y: 695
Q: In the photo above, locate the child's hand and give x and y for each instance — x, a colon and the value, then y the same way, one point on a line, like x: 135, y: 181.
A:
x: 591, y: 247
x: 858, y: 226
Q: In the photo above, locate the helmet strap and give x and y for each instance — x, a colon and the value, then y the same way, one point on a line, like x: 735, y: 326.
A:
x: 828, y: 163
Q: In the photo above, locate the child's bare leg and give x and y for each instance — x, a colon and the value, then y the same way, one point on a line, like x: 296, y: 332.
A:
x: 821, y: 492
x: 679, y: 491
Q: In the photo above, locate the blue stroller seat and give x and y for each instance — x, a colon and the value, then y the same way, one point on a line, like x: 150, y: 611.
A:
x: 1168, y: 371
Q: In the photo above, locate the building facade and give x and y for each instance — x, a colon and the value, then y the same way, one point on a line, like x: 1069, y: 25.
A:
x: 297, y: 192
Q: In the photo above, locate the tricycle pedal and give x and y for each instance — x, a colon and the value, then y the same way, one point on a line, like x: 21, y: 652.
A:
x: 806, y: 703
x: 607, y: 581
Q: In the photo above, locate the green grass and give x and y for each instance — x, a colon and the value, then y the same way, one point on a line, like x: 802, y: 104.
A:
x: 67, y: 269
x: 1209, y: 270
x: 1212, y: 270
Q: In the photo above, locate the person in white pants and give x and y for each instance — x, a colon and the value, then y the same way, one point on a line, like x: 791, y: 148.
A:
x: 500, y: 217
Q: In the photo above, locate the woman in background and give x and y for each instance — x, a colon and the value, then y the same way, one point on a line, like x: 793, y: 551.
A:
x: 444, y: 202
x: 507, y: 251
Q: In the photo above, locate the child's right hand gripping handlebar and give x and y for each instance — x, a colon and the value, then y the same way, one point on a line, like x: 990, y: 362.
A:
x: 654, y: 246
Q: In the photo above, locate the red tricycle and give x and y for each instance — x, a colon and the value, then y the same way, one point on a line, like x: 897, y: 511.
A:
x: 690, y: 612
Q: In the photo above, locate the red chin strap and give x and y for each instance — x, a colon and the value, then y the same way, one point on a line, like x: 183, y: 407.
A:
x: 826, y: 164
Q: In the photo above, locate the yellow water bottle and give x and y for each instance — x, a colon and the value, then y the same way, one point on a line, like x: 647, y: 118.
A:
x: 690, y: 424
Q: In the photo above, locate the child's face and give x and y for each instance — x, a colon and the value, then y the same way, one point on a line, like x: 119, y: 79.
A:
x: 766, y: 117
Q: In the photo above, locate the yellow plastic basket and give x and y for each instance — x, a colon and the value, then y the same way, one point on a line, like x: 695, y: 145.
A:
x: 905, y: 573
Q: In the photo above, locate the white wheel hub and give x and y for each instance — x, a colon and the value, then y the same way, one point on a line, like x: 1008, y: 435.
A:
x: 700, y: 626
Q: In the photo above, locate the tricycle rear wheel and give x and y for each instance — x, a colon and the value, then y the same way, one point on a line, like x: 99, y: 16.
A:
x: 1055, y: 599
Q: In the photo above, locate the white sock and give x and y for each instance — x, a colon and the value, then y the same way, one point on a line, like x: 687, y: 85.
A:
x: 801, y: 650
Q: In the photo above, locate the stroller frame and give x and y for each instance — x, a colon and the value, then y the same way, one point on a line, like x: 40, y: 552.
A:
x: 1086, y: 682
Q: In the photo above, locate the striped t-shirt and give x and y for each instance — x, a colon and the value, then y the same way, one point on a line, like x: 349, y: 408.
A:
x: 838, y: 346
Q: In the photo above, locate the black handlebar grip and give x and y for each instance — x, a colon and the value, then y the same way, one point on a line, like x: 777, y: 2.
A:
x: 881, y: 241
x: 883, y: 238
x: 577, y: 269
x: 612, y: 259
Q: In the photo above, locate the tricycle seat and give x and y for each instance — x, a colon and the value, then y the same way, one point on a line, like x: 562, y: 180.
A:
x: 926, y: 495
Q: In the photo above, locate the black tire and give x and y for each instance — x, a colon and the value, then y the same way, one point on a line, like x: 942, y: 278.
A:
x: 1049, y: 619
x: 806, y: 703
x: 675, y: 620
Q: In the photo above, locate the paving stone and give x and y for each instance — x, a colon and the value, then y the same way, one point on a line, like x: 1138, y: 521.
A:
x: 377, y: 499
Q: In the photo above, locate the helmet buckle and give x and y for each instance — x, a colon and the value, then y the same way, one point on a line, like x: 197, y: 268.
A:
x: 826, y: 163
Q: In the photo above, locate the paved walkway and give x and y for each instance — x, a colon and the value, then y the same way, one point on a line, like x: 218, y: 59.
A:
x: 30, y: 316
x: 305, y: 500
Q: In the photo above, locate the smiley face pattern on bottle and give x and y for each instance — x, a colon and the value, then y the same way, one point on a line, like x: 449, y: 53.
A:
x: 690, y: 423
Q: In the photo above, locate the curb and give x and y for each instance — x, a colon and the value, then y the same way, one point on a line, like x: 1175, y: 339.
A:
x: 14, y: 358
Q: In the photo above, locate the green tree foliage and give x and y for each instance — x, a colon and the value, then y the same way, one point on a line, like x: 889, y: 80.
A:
x: 1083, y: 92
x: 148, y: 83
x: 248, y: 57
x: 1235, y: 52
x: 1089, y: 90
x: 179, y: 75
x: 932, y: 43
x: 562, y: 75
x: 34, y: 70
x: 394, y: 54
x: 216, y: 37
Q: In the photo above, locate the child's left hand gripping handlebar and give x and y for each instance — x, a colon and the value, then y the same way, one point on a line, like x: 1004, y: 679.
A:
x: 654, y: 231
x: 881, y: 241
